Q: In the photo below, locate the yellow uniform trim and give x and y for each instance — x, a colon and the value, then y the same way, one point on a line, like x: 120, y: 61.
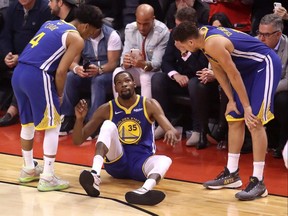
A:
x: 127, y: 111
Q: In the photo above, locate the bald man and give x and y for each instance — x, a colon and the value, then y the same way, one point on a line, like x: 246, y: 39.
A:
x: 145, y: 44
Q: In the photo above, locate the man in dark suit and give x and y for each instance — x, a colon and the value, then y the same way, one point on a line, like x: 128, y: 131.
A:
x: 179, y: 77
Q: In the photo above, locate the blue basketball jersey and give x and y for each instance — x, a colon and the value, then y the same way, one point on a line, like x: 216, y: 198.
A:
x: 260, y: 69
x: 134, y: 126
x: 248, y: 52
x: 51, y: 36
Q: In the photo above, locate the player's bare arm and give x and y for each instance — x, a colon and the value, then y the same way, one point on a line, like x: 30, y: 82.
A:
x: 81, y: 132
x: 221, y: 51
x: 156, y: 113
x: 75, y: 45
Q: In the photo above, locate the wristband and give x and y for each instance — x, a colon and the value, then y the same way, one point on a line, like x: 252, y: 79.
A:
x: 74, y: 69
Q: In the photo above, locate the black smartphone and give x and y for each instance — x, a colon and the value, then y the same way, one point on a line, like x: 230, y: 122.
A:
x: 86, y: 65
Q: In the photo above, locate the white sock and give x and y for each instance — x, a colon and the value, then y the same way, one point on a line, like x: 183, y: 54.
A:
x: 258, y: 168
x: 233, y: 162
x: 149, y: 184
x: 97, y: 164
x: 28, y: 159
x: 48, y: 166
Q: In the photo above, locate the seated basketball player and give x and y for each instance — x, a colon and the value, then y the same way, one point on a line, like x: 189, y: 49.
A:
x: 126, y: 141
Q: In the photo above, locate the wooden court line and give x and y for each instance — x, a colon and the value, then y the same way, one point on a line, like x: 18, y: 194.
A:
x: 172, y: 179
x: 76, y: 193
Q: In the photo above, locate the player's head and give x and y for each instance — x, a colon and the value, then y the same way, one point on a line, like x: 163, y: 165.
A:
x: 90, y: 19
x: 186, y: 34
x: 124, y: 85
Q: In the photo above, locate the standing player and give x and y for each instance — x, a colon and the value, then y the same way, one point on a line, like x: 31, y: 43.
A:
x: 249, y: 72
x: 38, y: 82
x: 126, y: 141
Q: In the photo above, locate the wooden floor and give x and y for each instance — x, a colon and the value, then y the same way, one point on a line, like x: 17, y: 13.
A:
x: 182, y: 198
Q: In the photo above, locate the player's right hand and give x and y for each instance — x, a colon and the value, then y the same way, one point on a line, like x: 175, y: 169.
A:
x: 81, y: 109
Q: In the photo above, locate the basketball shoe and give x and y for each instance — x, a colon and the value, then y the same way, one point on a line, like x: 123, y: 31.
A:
x: 225, y: 180
x: 142, y: 196
x: 29, y: 175
x: 255, y: 189
x: 51, y: 183
x: 90, y: 182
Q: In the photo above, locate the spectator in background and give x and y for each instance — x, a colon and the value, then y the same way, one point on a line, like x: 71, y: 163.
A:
x: 238, y: 12
x: 260, y: 8
x: 102, y: 52
x: 22, y: 21
x: 160, y: 7
x: 220, y: 20
x: 179, y: 78
x: 202, y: 11
x: 148, y: 37
x: 270, y: 33
x: 282, y: 12
x: 63, y: 9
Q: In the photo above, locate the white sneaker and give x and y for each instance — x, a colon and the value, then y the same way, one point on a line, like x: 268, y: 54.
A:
x: 194, y: 139
x: 159, y: 133
x: 29, y: 175
x: 51, y: 183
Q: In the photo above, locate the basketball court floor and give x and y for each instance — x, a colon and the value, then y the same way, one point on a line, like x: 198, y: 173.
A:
x: 182, y: 185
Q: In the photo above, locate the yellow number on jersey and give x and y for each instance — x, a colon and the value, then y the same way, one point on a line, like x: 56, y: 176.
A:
x: 34, y: 41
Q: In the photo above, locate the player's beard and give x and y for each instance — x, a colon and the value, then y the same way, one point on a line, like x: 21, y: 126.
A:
x: 127, y: 96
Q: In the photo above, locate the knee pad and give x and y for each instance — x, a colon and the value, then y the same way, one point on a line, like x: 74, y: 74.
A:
x: 27, y: 132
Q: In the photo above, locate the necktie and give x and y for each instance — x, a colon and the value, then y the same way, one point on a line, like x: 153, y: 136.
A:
x: 143, y: 49
x: 25, y: 17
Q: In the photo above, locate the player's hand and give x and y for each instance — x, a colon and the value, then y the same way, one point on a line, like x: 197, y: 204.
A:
x: 81, y: 109
x: 250, y: 119
x: 231, y: 106
x: 170, y: 138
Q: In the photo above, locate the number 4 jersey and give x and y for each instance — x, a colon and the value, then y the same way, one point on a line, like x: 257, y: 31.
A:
x: 52, y: 37
x: 134, y: 126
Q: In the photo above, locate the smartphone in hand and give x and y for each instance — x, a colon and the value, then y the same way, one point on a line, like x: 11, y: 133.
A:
x: 277, y: 4
x: 86, y: 64
x: 135, y: 53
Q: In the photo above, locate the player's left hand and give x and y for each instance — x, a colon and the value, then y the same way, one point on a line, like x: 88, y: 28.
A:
x: 250, y: 119
x: 170, y: 138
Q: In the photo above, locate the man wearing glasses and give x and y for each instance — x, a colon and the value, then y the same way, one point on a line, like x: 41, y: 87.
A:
x: 270, y: 33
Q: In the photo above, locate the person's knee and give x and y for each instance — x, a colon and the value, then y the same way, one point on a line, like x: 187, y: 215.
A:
x: 27, y: 132
x: 161, y: 166
x: 108, y: 126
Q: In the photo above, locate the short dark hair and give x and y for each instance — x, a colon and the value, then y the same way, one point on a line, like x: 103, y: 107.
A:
x: 184, y: 31
x: 222, y: 18
x: 122, y: 72
x: 186, y: 14
x: 89, y: 14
